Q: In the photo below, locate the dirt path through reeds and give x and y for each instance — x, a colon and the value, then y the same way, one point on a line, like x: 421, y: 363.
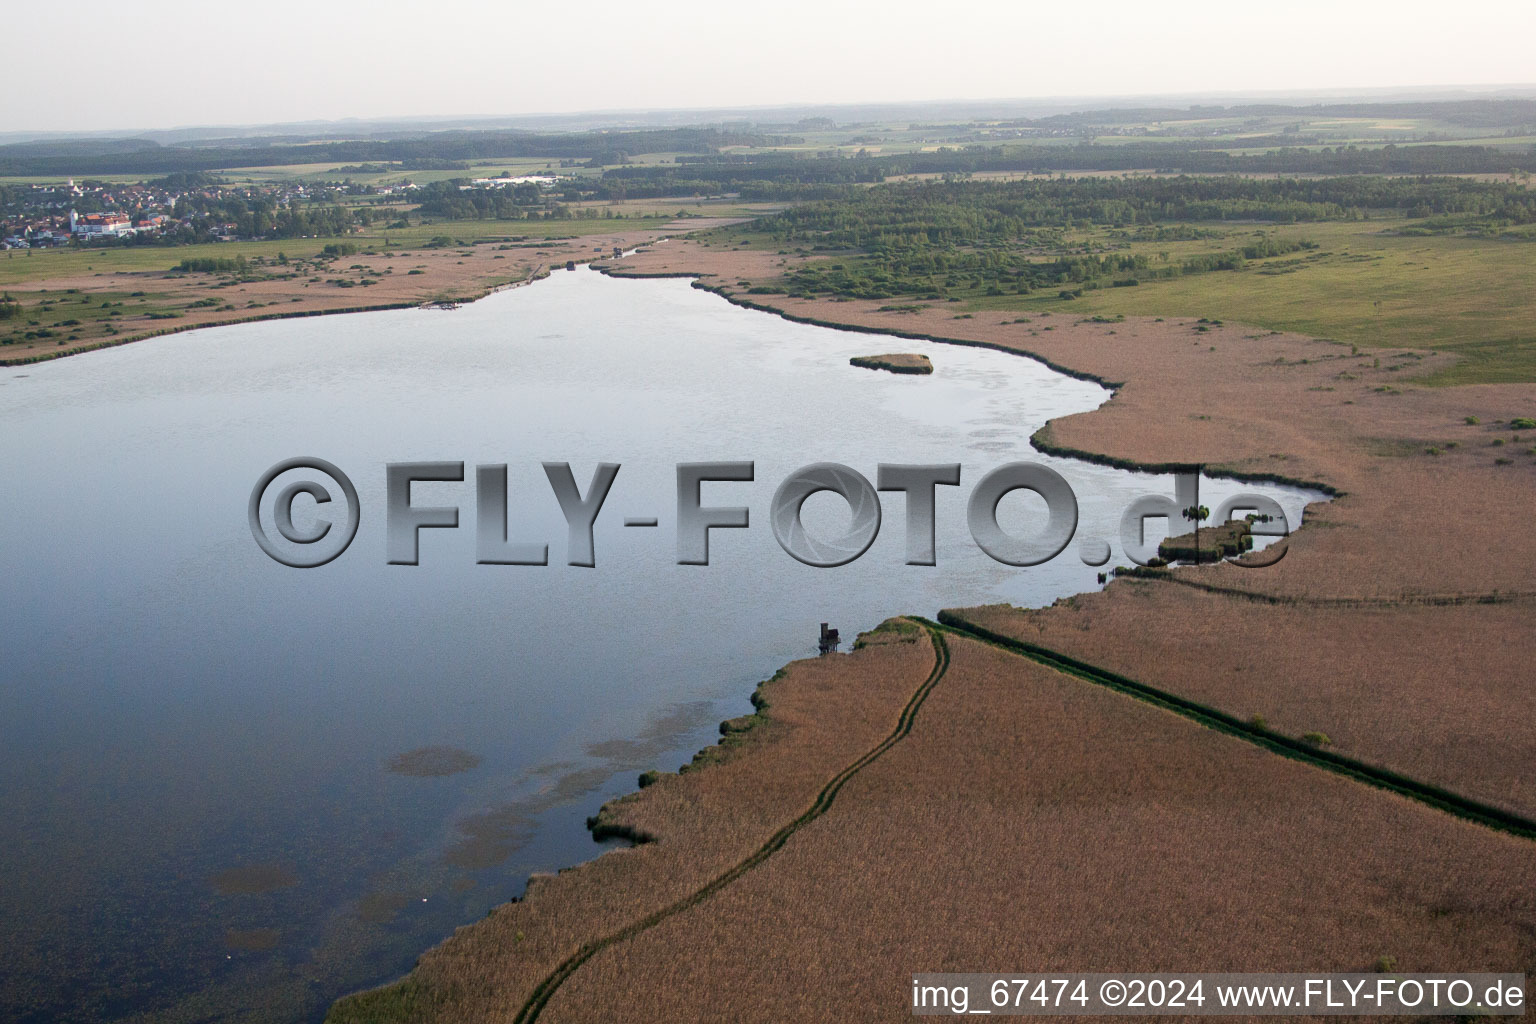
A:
x: 954, y: 625
x: 541, y: 995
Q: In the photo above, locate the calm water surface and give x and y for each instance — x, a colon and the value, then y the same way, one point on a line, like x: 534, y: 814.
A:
x: 174, y: 706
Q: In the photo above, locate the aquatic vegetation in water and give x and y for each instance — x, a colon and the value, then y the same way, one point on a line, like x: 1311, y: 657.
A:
x: 252, y: 940
x: 250, y: 879
x: 432, y: 762
x: 381, y: 905
x: 490, y: 838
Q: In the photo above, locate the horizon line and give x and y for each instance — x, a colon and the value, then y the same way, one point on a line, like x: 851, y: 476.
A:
x: 599, y: 112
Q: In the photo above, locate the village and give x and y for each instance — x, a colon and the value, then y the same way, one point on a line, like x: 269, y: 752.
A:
x: 190, y: 208
x: 179, y: 209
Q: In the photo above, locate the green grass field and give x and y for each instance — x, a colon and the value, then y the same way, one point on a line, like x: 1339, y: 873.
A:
x: 18, y: 267
x: 1362, y: 285
x: 69, y: 315
x: 1473, y: 296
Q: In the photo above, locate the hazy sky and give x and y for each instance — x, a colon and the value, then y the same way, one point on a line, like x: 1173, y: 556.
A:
x: 95, y: 64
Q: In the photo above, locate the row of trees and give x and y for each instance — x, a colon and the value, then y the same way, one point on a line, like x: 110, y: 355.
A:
x: 141, y: 156
x: 968, y: 213
x: 779, y: 176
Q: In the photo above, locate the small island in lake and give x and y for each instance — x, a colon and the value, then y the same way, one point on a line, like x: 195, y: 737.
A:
x: 895, y: 362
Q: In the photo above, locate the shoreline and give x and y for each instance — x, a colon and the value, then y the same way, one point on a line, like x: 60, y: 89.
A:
x: 1301, y: 592
x: 452, y: 276
x: 1038, y: 440
x: 48, y: 357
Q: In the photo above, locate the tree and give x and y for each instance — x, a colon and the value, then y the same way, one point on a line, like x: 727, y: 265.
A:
x: 1196, y: 513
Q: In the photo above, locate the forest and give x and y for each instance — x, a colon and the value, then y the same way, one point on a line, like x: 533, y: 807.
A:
x: 142, y: 156
x: 936, y: 239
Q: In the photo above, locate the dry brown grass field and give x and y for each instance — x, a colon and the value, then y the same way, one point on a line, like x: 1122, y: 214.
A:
x: 1442, y: 694
x: 1031, y: 820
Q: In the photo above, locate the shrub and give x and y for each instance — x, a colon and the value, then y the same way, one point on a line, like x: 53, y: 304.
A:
x: 1317, y: 739
x: 1523, y: 423
x: 210, y: 265
x: 647, y: 778
x: 1473, y: 421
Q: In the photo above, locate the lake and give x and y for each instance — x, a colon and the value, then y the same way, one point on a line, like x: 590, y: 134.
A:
x: 198, y: 816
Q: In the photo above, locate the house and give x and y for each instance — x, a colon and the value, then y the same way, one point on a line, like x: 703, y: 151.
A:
x: 99, y: 225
